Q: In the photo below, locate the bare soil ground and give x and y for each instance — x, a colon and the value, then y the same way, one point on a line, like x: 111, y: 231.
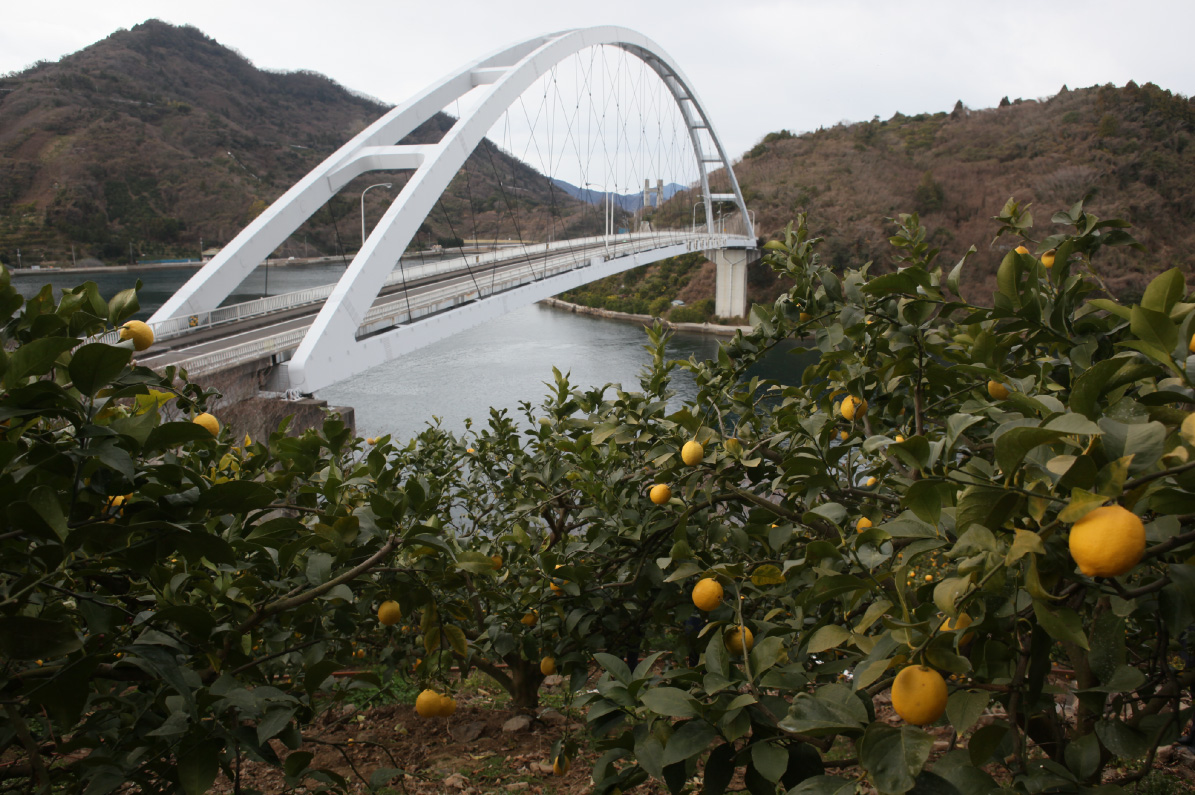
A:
x: 470, y: 753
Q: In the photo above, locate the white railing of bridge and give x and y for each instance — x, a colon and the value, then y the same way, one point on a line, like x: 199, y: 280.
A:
x: 184, y: 324
x: 397, y: 310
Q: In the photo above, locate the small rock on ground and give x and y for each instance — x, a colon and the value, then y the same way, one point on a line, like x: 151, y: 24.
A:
x: 517, y: 724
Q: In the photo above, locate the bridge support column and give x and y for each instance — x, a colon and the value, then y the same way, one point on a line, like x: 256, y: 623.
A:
x: 730, y: 296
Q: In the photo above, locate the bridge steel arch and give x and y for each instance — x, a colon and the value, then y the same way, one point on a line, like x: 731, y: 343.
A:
x: 330, y: 351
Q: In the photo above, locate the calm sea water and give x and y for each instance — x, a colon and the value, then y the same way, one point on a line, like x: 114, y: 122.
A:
x: 499, y: 364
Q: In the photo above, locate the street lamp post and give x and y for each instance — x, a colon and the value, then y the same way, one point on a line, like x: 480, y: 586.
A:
x: 696, y: 204
x: 367, y: 190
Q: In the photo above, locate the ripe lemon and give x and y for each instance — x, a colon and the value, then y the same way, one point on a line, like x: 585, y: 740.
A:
x: 1107, y: 542
x: 389, y: 613
x: 919, y: 695
x: 852, y: 407
x: 806, y: 317
x: 447, y: 706
x: 547, y: 666
x: 862, y: 524
x: 206, y: 420
x: 1191, y: 344
x: 139, y: 332
x: 530, y: 619
x: 558, y: 588
x: 1047, y: 258
x: 1021, y: 250
x: 560, y: 766
x: 870, y: 482
x: 962, y: 622
x: 371, y: 441
x: 692, y: 453
x: 738, y: 638
x: 843, y: 436
x: 660, y: 493
x: 427, y: 704
x: 997, y: 390
x: 707, y: 594
x: 899, y: 438
x: 497, y: 561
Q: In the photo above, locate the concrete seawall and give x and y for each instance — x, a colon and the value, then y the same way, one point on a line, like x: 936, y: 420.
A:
x: 645, y: 320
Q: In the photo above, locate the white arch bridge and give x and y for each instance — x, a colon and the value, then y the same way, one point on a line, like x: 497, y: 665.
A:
x: 364, y: 320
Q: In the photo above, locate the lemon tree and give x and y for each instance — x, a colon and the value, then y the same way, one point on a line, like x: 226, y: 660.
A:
x: 969, y: 545
x: 174, y: 600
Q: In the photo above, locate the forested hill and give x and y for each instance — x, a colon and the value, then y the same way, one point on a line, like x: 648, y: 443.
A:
x: 1130, y: 146
x: 159, y: 136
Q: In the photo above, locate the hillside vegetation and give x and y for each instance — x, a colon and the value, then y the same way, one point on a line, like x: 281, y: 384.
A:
x: 158, y: 137
x: 1127, y: 147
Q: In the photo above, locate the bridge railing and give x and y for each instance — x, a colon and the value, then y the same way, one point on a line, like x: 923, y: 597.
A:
x: 184, y: 324
x: 391, y: 313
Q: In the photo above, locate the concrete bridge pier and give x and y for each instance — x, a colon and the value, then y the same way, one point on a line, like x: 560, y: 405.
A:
x: 730, y: 296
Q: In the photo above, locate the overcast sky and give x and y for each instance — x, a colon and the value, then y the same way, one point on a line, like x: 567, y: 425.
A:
x: 758, y: 66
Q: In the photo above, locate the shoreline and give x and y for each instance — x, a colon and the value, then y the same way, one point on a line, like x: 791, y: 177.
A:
x: 644, y: 320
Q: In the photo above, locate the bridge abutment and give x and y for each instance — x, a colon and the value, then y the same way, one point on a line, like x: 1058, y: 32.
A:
x: 730, y: 294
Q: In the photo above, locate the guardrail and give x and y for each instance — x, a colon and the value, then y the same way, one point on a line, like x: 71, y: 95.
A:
x: 396, y: 311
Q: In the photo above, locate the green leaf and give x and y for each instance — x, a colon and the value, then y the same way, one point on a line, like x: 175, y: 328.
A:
x: 1008, y: 280
x: 35, y: 358
x: 614, y: 666
x: 124, y: 305
x: 671, y: 701
x: 474, y: 562
x: 690, y: 739
x: 297, y: 762
x: 1025, y: 543
x: 198, y: 766
x: 894, y: 757
x: 1083, y: 756
x: 1145, y: 442
x: 1064, y: 624
x: 770, y: 759
x: 456, y: 639
x: 1013, y: 445
x: 828, y: 637
x: 835, y: 709
x: 30, y: 638
x: 96, y: 365
x: 1121, y: 739
x: 235, y: 496
x: 719, y: 770
x: 1154, y: 328
x: 1082, y: 503
x: 1164, y: 291
x: 824, y: 785
x: 173, y: 434
x: 964, y: 708
x: 767, y: 575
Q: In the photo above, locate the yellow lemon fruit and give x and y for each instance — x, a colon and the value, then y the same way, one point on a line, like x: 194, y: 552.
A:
x: 1021, y: 250
x: 962, y: 622
x: 427, y: 704
x: 547, y: 666
x: 558, y: 588
x: 1047, y: 258
x: 870, y: 482
x: 919, y: 695
x: 1107, y: 542
x: 738, y: 639
x: 929, y: 578
x: 806, y: 317
x: 389, y: 613
x: 496, y: 561
x: 692, y: 453
x: 560, y: 766
x: 139, y: 332
x: 371, y: 441
x: 660, y: 493
x: 852, y: 407
x: 997, y: 390
x: 530, y: 619
x: 899, y: 438
x: 843, y: 435
x: 209, y: 422
x: 470, y: 450
x: 447, y: 706
x: 1191, y: 344
x: 862, y: 524
x: 707, y: 594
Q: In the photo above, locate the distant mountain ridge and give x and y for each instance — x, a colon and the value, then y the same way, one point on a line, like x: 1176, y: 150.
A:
x: 1130, y: 148
x: 159, y: 136
x: 630, y: 202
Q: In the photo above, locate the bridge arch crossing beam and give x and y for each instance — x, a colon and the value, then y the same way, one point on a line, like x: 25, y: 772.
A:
x: 330, y: 351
